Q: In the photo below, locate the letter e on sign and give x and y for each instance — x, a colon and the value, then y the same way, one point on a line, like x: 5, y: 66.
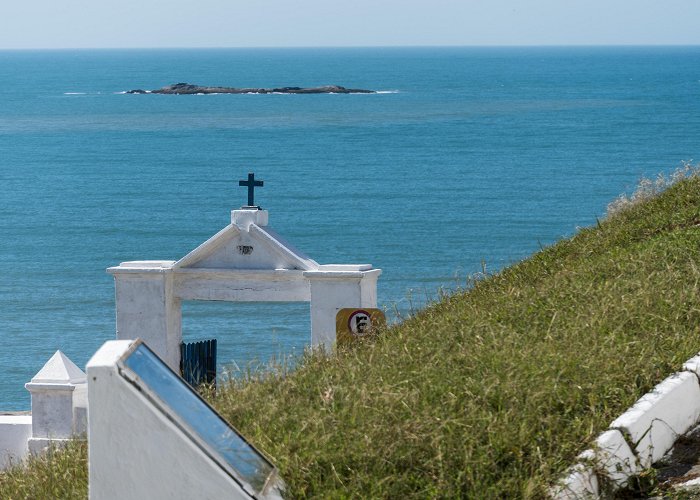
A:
x: 351, y: 322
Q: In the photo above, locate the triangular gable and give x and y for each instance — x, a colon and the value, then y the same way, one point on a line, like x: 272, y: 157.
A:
x: 294, y: 258
x: 209, y: 247
x: 256, y: 248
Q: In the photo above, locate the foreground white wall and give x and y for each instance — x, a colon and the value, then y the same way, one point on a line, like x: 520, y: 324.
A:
x: 135, y: 452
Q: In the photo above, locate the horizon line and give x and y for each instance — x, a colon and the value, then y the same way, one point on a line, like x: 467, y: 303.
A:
x: 426, y: 46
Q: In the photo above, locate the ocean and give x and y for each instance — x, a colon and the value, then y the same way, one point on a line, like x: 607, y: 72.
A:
x: 468, y: 159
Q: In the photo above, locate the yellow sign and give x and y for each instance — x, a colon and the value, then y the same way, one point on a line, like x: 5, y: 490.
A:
x: 354, y: 322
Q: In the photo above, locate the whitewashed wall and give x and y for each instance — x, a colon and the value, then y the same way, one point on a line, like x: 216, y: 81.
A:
x: 135, y: 451
x: 15, y: 431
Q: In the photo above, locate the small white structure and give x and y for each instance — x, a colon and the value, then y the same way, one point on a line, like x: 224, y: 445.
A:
x: 152, y: 436
x: 246, y: 261
x: 59, y: 412
x: 59, y: 402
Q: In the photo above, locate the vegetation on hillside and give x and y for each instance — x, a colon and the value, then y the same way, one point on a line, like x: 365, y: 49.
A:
x: 493, y: 391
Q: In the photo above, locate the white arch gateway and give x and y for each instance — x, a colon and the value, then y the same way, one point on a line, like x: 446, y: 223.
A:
x: 244, y: 262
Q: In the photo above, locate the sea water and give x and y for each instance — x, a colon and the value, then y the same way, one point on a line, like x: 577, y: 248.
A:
x: 467, y: 159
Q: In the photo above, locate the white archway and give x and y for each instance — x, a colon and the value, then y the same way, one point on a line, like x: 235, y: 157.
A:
x: 246, y: 261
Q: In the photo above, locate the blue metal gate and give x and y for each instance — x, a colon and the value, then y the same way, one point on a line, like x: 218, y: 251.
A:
x: 198, y: 362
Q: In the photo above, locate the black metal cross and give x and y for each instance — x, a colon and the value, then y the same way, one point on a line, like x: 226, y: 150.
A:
x: 251, y: 184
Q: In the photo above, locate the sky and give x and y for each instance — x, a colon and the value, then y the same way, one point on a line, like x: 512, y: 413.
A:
x: 58, y: 24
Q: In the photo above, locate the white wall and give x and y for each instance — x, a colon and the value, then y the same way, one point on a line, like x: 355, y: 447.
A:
x: 15, y: 430
x: 135, y: 451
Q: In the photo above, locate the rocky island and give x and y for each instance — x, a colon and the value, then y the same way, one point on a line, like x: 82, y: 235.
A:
x: 187, y: 88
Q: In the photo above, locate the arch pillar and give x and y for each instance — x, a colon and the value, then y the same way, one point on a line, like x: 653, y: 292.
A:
x: 148, y: 308
x: 332, y: 290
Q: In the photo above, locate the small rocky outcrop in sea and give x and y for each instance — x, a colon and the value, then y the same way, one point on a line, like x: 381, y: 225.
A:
x: 188, y: 88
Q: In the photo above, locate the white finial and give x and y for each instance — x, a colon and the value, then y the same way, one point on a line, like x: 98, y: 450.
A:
x: 59, y: 370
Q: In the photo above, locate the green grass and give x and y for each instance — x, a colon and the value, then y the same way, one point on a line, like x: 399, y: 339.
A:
x: 492, y: 392
x: 58, y: 474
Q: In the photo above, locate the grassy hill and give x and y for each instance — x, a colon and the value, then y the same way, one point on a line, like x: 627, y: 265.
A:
x: 492, y: 392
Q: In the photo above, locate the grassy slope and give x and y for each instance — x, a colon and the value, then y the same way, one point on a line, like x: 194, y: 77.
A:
x: 493, y: 392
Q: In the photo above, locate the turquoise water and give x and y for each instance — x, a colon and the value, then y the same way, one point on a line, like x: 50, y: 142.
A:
x: 468, y: 156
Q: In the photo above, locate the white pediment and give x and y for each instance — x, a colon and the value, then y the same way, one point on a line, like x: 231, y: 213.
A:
x: 247, y: 243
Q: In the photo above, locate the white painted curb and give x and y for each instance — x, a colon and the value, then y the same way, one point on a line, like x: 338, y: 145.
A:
x: 661, y: 416
x: 637, y: 438
x: 579, y: 482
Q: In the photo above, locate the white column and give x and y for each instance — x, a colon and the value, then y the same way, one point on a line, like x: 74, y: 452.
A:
x: 332, y: 290
x: 53, y: 391
x: 147, y: 307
